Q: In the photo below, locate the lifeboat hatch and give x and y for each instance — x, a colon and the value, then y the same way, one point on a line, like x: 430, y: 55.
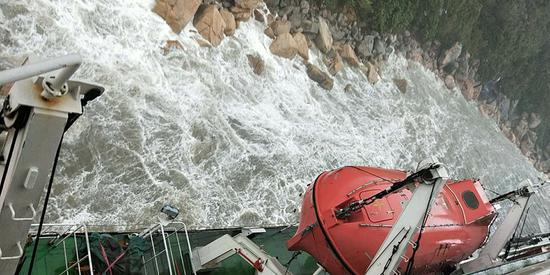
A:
x: 378, y: 211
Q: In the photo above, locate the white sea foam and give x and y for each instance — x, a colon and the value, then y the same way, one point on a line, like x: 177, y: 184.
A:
x: 198, y: 129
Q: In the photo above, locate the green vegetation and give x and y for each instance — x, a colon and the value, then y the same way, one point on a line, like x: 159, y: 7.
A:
x: 510, y: 37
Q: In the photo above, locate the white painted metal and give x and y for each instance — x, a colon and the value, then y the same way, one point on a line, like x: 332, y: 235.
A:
x: 488, y: 255
x: 69, y: 62
x: 390, y: 254
x: 67, y: 232
x: 214, y: 253
x: 162, y: 229
x: 30, y: 149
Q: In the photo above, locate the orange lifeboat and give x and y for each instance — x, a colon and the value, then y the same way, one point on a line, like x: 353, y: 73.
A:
x: 457, y: 224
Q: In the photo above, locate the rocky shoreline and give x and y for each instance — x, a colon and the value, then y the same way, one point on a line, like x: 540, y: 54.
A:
x: 299, y: 25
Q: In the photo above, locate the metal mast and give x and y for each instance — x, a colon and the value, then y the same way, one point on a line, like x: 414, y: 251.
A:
x: 35, y: 115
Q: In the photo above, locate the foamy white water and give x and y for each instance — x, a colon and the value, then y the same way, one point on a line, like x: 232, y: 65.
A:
x: 198, y: 129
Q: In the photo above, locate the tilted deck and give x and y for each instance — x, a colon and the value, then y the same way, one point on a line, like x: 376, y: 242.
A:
x: 55, y: 256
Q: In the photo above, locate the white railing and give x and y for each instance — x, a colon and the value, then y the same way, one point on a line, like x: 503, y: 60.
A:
x: 166, y: 232
x: 63, y: 232
x: 163, y: 235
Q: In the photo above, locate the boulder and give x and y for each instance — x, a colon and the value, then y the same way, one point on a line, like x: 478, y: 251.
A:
x: 295, y: 19
x: 304, y: 7
x: 310, y: 27
x: 468, y: 90
x: 450, y: 55
x: 348, y: 88
x: 366, y: 46
x: 248, y: 4
x: 333, y: 60
x: 284, y: 46
x: 415, y: 55
x: 271, y: 4
x: 348, y: 54
x: 372, y: 73
x: 338, y: 33
x: 379, y: 48
x: 301, y: 43
x: 534, y: 120
x: 507, y: 131
x: 319, y: 76
x: 527, y: 145
x: 280, y: 27
x: 176, y: 13
x: 257, y: 63
x: 202, y: 42
x: 170, y: 45
x: 521, y: 127
x: 269, y: 19
x: 229, y: 20
x: 401, y: 84
x: 269, y: 32
x: 543, y: 166
x: 210, y: 24
x: 259, y: 16
x: 449, y: 82
x: 324, y: 37
x: 241, y: 14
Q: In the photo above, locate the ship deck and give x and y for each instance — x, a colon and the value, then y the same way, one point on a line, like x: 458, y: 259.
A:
x: 55, y: 256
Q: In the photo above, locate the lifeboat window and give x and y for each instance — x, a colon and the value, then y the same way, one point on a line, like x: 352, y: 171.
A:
x: 470, y: 199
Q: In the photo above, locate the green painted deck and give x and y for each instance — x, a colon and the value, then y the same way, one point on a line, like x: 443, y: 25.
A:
x: 50, y: 260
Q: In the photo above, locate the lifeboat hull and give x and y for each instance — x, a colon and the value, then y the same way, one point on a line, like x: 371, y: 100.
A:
x: 457, y: 224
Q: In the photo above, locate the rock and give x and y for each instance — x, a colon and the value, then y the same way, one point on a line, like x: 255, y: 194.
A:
x: 257, y: 64
x: 348, y: 54
x: 372, y: 73
x: 304, y: 7
x: 468, y: 90
x: 401, y: 84
x: 295, y: 19
x: 259, y: 16
x: 348, y: 88
x: 333, y: 62
x: 415, y: 55
x: 366, y: 46
x: 338, y: 33
x: 248, y: 4
x: 272, y: 3
x: 270, y: 19
x: 227, y: 4
x: 210, y: 24
x: 450, y: 55
x: 534, y: 120
x: 229, y: 20
x: 171, y: 45
x: 488, y: 110
x: 324, y: 37
x: 284, y: 46
x: 176, y: 13
x: 301, y: 44
x: 280, y: 27
x: 507, y: 132
x: 527, y: 145
x: 379, y: 48
x: 543, y: 166
x: 202, y: 42
x: 269, y: 32
x: 450, y: 82
x: 241, y: 14
x: 450, y: 68
x: 320, y: 77
x: 310, y: 27
x: 521, y: 127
